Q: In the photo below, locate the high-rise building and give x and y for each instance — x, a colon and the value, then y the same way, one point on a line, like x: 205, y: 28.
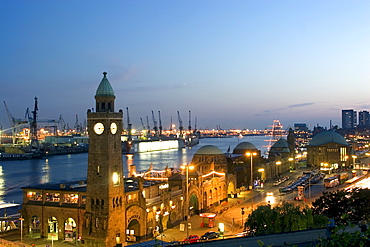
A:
x: 301, y: 134
x: 363, y: 118
x: 349, y: 119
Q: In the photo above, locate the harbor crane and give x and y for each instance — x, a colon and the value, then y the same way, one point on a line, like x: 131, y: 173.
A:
x: 62, y: 123
x: 160, y: 124
x: 195, y: 124
x: 15, y: 123
x: 155, y: 124
x: 171, y: 125
x: 147, y: 123
x: 181, y: 128
x: 129, y: 126
x: 32, y: 117
x: 142, y: 123
x: 78, y: 125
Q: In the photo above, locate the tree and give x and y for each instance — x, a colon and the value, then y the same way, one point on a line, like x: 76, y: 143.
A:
x: 343, y: 205
x: 284, y: 218
x: 343, y: 238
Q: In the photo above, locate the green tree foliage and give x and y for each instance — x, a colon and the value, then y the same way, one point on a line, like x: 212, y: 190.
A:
x: 341, y: 205
x: 284, y: 218
x: 344, y: 238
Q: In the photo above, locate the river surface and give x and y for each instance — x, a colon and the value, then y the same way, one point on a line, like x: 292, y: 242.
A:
x: 61, y: 168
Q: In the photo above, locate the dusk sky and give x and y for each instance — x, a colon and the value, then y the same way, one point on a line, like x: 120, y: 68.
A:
x: 236, y: 64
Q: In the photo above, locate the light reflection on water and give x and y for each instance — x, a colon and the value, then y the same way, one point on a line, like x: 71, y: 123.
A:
x: 61, y: 168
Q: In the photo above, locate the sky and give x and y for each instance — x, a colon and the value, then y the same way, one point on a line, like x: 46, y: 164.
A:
x: 232, y: 63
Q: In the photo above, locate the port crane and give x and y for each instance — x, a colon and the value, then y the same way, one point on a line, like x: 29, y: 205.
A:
x: 143, y: 126
x: 160, y: 124
x: 15, y: 123
x: 147, y: 123
x: 195, y: 124
x: 32, y: 119
x: 129, y: 126
x: 181, y: 128
x: 189, y: 127
x: 155, y: 124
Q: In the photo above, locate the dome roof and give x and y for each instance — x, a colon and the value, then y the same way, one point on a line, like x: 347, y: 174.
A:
x: 209, y: 150
x: 281, y: 143
x: 104, y: 89
x: 245, y: 146
x: 327, y: 137
x: 280, y: 146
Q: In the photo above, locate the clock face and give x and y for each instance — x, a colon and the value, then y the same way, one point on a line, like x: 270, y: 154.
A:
x: 98, y: 128
x: 113, y: 128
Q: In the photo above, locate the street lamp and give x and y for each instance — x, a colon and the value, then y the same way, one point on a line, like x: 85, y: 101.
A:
x: 242, y: 217
x: 291, y: 159
x: 251, y: 182
x: 21, y: 220
x: 354, y: 160
x: 187, y: 167
x: 278, y: 163
x: 261, y: 170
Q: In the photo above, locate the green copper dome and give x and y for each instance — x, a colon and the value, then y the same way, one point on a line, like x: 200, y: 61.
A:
x: 245, y: 146
x: 327, y: 137
x: 209, y: 150
x: 105, y: 89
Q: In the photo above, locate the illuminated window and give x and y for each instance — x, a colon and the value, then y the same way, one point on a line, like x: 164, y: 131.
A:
x: 34, y: 196
x: 71, y: 198
x: 115, y: 178
x: 52, y: 197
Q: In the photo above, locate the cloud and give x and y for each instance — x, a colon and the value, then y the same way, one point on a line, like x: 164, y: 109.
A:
x: 268, y: 111
x: 300, y: 105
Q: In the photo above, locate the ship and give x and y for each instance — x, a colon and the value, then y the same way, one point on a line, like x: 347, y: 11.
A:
x: 274, y: 134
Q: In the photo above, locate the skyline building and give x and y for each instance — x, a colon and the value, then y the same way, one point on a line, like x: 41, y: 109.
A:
x: 363, y: 118
x: 349, y: 119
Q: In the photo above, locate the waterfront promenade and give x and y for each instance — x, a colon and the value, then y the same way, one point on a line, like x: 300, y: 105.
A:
x: 230, y: 215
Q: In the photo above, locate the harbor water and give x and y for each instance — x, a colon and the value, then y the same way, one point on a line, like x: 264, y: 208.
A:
x: 61, y: 168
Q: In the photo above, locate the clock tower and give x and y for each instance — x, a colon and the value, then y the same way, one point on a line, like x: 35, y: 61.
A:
x: 105, y: 208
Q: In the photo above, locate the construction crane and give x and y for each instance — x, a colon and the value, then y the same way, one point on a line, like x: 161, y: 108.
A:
x: 160, y: 124
x: 181, y: 128
x: 129, y: 126
x: 155, y: 124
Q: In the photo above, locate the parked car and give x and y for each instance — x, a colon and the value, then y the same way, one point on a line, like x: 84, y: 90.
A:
x: 192, y: 239
x: 210, y: 235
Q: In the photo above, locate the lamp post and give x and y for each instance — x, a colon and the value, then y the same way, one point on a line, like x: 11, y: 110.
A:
x: 21, y: 230
x: 187, y: 167
x: 278, y: 163
x: 354, y: 161
x: 242, y: 217
x: 291, y: 159
x: 251, y: 182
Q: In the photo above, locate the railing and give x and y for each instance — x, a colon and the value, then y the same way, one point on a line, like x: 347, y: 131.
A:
x: 7, y: 243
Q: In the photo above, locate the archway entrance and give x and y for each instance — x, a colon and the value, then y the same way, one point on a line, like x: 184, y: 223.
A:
x: 193, y: 205
x: 231, y: 189
x: 133, y: 230
x: 35, y: 223
x: 52, y: 228
x: 70, y: 230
